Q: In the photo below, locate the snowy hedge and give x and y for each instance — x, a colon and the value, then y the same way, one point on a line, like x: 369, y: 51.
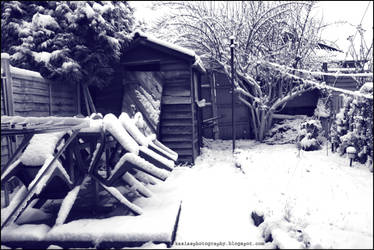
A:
x: 67, y: 41
x: 353, y: 125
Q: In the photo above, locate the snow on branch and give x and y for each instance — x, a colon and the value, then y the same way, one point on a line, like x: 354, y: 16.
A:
x: 242, y: 91
x: 323, y: 73
x: 320, y: 85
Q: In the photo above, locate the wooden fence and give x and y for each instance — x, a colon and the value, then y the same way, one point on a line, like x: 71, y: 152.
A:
x: 343, y: 82
x: 27, y: 93
x: 216, y: 90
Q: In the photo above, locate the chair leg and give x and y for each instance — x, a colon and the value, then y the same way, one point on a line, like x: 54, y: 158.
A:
x: 118, y: 196
x: 68, y: 203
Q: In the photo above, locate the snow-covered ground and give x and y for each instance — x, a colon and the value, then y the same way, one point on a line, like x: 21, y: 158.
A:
x: 310, y: 201
x: 307, y: 201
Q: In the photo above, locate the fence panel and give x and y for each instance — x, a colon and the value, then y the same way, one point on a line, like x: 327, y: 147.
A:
x: 27, y: 93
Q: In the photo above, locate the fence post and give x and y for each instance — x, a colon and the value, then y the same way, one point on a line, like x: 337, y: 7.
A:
x: 50, y: 97
x: 8, y: 108
x: 8, y: 95
x: 8, y: 83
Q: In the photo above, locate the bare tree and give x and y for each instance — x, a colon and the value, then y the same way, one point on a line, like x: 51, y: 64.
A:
x: 280, y: 32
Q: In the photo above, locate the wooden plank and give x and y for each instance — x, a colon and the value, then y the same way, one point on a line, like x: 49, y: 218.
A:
x: 79, y: 110
x: 29, y: 78
x: 27, y: 108
x: 176, y: 108
x: 173, y: 67
x: 193, y: 107
x: 195, y: 151
x: 58, y: 109
x: 176, y: 74
x: 8, y: 93
x: 90, y: 101
x: 179, y: 145
x: 165, y: 62
x: 177, y: 83
x: 174, y: 92
x: 4, y: 159
x: 31, y: 99
x: 175, y: 130
x: 175, y: 115
x: 63, y: 94
x: 176, y: 138
x: 31, y: 113
x: 23, y: 83
x: 184, y: 159
x: 179, y: 122
x: 4, y: 149
x: 86, y: 100
x: 184, y: 152
x: 30, y: 91
x: 176, y: 100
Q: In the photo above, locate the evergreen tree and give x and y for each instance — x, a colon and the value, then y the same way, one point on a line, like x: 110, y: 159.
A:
x: 67, y: 40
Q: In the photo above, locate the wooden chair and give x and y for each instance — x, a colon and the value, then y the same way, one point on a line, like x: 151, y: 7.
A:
x: 45, y: 181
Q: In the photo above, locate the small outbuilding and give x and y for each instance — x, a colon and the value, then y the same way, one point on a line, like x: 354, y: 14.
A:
x: 162, y: 82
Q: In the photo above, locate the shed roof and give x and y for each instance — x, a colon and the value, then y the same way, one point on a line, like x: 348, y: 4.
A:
x: 169, y: 48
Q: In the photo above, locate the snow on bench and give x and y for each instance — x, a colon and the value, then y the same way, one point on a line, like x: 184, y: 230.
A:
x: 114, y: 126
x: 133, y: 130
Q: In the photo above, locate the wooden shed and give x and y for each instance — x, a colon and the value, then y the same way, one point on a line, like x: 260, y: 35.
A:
x: 161, y: 81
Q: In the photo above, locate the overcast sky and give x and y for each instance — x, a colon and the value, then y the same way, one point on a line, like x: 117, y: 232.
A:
x: 332, y: 11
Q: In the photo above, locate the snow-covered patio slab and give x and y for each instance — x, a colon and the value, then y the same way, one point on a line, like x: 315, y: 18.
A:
x: 157, y: 224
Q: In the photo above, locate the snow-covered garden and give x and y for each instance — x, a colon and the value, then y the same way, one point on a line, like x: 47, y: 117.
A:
x: 307, y: 201
x: 123, y: 155
x: 311, y: 200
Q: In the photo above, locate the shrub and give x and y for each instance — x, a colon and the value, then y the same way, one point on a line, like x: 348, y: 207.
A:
x: 309, y: 138
x: 353, y: 125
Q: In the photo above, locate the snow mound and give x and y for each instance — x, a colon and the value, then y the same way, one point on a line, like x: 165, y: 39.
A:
x: 284, y: 132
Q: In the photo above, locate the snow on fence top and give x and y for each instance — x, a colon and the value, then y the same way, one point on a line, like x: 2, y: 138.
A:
x: 24, y: 72
x: 5, y: 56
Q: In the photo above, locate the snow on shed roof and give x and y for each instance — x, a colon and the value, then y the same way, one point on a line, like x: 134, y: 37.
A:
x: 197, y: 61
